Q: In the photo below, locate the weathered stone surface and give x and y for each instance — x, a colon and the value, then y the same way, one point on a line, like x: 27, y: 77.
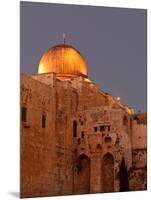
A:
x: 86, y: 136
x: 138, y: 179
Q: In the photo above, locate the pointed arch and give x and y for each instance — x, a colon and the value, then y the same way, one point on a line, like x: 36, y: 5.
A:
x: 82, y: 175
x: 108, y: 173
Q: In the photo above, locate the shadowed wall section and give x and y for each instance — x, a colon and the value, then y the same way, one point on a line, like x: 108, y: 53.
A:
x: 124, y: 184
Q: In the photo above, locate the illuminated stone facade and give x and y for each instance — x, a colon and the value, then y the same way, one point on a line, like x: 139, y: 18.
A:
x: 76, y: 139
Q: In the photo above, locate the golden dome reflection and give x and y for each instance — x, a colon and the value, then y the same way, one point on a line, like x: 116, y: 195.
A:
x: 64, y: 60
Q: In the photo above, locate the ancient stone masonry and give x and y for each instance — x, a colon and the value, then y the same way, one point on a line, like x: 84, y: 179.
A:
x: 75, y: 138
x: 138, y: 171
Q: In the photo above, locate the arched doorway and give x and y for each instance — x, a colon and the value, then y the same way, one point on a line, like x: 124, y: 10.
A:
x: 108, y: 173
x: 82, y: 175
x: 124, y: 183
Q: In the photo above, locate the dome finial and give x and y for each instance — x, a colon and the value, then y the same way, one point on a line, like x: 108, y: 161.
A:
x: 64, y: 38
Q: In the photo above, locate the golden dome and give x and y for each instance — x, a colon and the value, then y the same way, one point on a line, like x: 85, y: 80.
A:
x: 64, y: 60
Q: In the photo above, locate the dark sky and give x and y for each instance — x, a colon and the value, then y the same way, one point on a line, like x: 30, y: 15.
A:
x: 112, y: 40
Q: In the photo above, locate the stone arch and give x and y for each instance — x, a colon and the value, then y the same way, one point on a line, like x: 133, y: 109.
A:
x: 82, y: 175
x: 108, y: 173
x: 124, y: 182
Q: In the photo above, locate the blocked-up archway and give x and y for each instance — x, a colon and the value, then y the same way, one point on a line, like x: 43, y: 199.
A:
x: 108, y: 173
x: 82, y: 175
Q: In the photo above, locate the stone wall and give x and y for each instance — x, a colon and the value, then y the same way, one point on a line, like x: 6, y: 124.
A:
x: 37, y: 143
x: 138, y: 171
x: 84, y: 128
x: 104, y: 133
x: 138, y: 179
x: 139, y: 135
